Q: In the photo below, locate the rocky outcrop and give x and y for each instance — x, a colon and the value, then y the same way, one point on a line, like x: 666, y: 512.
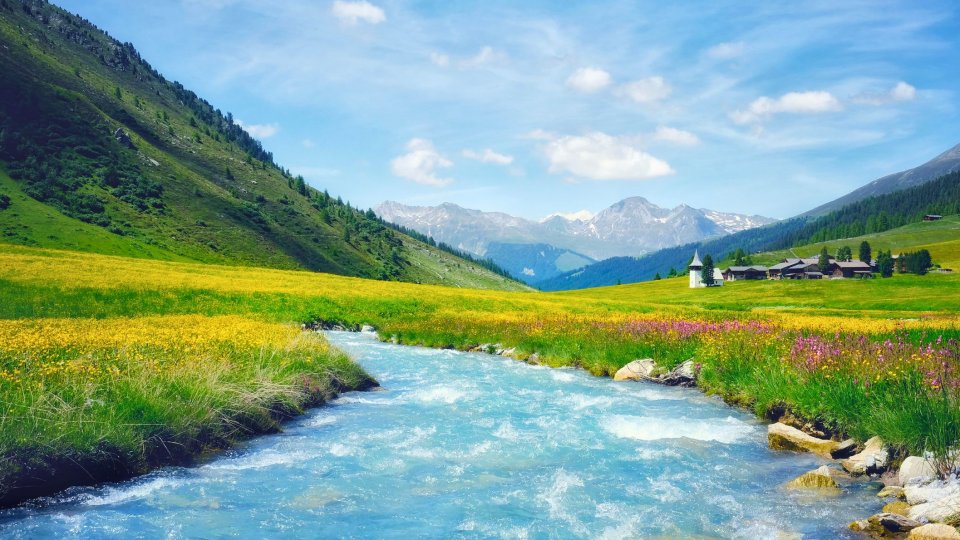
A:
x: 884, y: 525
x: 647, y: 370
x: 784, y: 437
x: 934, y: 531
x: 942, y: 510
x: 919, y: 494
x: 897, y: 507
x: 638, y: 370
x: 891, y: 491
x: 819, y: 479
x: 916, y: 470
x: 845, y: 449
x: 683, y: 375
x: 123, y: 137
x: 874, y: 459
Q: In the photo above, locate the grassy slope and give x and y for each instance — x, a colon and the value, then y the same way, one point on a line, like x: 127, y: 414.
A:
x: 255, y: 218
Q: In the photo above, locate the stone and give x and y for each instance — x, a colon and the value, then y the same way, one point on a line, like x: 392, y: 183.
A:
x: 896, y: 507
x: 916, y: 470
x: 638, y: 370
x: 683, y: 375
x: 943, y: 510
x: 534, y: 359
x: 123, y: 137
x: 845, y: 449
x: 934, y: 531
x: 919, y: 494
x: 783, y: 437
x: 873, y: 459
x: 367, y: 328
x: 891, y: 523
x: 891, y: 491
x: 817, y: 479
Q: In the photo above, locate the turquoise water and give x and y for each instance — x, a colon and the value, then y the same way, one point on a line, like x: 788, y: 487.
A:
x: 474, y: 446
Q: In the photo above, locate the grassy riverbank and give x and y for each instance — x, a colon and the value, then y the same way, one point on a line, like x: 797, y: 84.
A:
x: 87, y: 400
x: 864, y: 357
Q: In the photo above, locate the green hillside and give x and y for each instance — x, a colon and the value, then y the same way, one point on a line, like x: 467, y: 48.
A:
x: 188, y: 184
x: 941, y: 238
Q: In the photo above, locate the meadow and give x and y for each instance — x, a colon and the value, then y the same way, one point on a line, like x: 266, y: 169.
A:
x: 138, y: 362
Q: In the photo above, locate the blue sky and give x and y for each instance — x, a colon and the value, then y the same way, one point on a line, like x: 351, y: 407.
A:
x: 533, y: 108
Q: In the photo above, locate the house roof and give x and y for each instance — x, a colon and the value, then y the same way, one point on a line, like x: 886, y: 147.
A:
x: 785, y: 264
x: 756, y: 268
x: 853, y: 264
x: 696, y: 263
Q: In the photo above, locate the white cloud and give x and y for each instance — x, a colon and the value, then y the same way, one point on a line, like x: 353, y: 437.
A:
x: 440, y: 59
x: 588, y: 80
x: 539, y: 135
x: 353, y: 12
x: 420, y: 163
x: 599, y: 156
x: 260, y: 131
x: 900, y: 92
x: 488, y: 156
x: 528, y: 271
x: 645, y: 90
x: 726, y: 51
x: 675, y: 135
x: 792, y: 102
x: 485, y: 55
x: 308, y: 143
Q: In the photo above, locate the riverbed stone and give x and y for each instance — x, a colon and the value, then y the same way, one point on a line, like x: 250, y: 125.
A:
x: 943, y: 510
x: 897, y: 507
x: 683, y: 375
x: 820, y: 479
x: 845, y: 449
x: 916, y: 470
x: 784, y: 437
x: 934, y: 531
x: 873, y: 459
x: 891, y: 491
x: 638, y: 370
x: 367, y: 329
x: 922, y: 493
x: 893, y: 523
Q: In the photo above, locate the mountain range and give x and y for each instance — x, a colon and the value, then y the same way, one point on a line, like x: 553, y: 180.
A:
x: 631, y: 227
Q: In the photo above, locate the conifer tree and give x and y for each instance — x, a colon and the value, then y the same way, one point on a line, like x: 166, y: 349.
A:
x: 707, y: 271
x: 865, y: 253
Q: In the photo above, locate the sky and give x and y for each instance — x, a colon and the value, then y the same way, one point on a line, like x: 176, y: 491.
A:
x: 534, y: 108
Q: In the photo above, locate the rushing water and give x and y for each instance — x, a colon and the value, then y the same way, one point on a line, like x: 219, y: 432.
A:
x: 471, y: 445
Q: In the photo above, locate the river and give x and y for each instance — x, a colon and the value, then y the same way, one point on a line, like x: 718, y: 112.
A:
x: 474, y: 446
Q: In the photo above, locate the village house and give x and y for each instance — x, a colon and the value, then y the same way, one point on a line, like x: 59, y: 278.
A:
x: 809, y: 268
x: 696, y: 269
x: 932, y: 217
x: 739, y: 273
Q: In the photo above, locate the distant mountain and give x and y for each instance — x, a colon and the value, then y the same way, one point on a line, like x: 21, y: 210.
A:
x: 535, y: 262
x: 632, y: 226
x: 946, y: 162
x: 868, y: 216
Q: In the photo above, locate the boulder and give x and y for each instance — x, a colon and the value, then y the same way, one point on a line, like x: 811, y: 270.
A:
x: 783, y: 437
x: 896, y: 507
x: 934, y: 531
x: 891, y: 491
x: 845, y: 449
x: 123, y: 137
x: 873, y: 459
x: 638, y: 370
x: 893, y: 523
x: 817, y: 479
x: 367, y: 328
x: 916, y: 469
x: 919, y: 494
x: 943, y: 510
x: 683, y: 375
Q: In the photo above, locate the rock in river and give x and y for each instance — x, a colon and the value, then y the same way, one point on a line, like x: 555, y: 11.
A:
x: 917, y: 469
x: 934, y: 531
x: 683, y: 375
x: 873, y: 459
x: 817, y: 479
x: 783, y: 437
x: 638, y: 370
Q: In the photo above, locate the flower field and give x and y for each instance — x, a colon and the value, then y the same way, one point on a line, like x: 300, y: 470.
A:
x: 110, y: 356
x: 126, y: 394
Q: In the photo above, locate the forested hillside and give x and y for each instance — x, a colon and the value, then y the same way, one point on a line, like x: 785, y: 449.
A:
x: 98, y: 151
x: 872, y: 215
